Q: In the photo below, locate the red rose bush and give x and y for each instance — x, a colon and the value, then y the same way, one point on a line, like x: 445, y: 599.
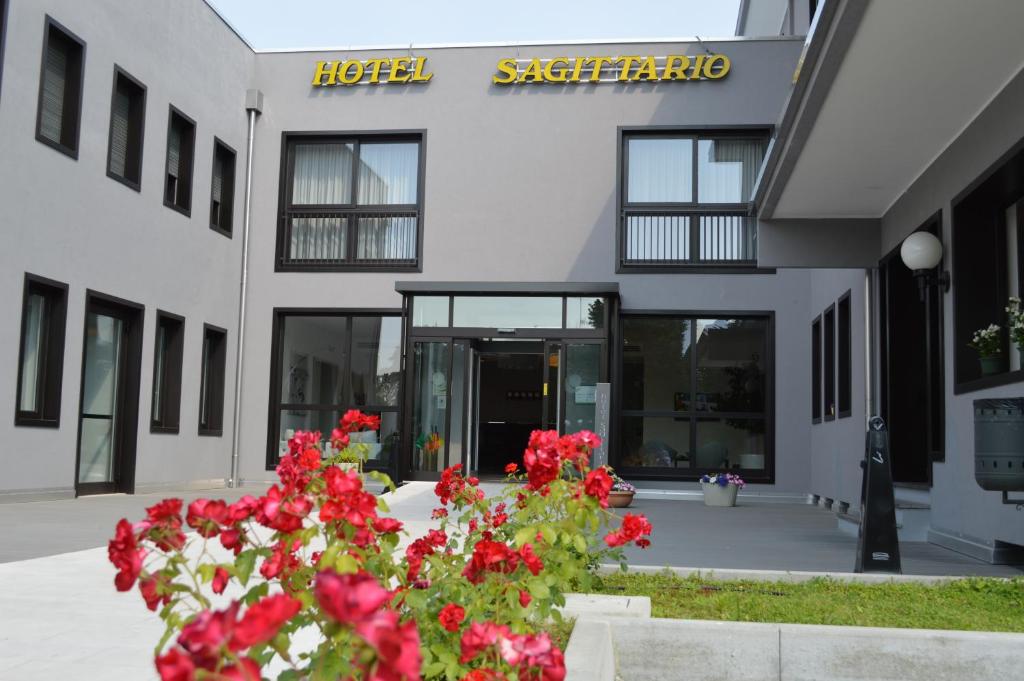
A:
x: 311, y: 581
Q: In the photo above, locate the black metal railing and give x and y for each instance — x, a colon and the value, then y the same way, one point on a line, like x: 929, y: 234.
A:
x: 356, y: 238
x: 687, y: 237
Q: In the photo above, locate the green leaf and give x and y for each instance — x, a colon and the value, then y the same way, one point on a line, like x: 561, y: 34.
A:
x: 538, y: 589
x: 382, y: 505
x: 346, y: 564
x: 580, y: 543
x: 525, y: 535
x: 244, y: 564
x: 433, y: 669
x: 206, y: 571
x: 550, y: 536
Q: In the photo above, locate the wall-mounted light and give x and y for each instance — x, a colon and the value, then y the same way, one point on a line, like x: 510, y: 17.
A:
x: 922, y: 253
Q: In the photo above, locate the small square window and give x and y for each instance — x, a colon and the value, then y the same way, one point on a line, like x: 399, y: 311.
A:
x: 211, y: 384
x: 181, y: 137
x: 60, y: 89
x: 41, y: 354
x: 222, y: 191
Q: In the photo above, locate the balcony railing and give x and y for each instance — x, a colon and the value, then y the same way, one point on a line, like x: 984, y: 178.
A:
x: 358, y: 239
x: 660, y: 238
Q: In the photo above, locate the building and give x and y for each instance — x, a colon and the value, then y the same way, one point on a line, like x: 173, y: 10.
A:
x: 470, y: 240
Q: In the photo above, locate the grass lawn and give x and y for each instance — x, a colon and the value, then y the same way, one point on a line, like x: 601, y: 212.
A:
x: 968, y: 604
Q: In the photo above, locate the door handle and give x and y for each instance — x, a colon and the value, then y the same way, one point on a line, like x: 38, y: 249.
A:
x: 497, y: 423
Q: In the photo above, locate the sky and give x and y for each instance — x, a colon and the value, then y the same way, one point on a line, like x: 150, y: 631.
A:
x: 269, y: 24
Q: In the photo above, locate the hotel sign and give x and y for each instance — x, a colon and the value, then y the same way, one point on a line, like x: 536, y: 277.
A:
x: 512, y: 71
x: 626, y: 69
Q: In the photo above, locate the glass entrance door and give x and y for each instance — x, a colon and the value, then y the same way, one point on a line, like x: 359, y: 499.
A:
x: 573, y: 370
x: 103, y: 387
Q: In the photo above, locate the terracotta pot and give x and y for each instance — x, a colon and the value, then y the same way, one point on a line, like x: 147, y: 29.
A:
x: 620, y: 499
x: 716, y: 495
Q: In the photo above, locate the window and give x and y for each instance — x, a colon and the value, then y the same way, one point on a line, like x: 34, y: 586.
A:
x: 695, y: 395
x: 351, y: 203
x: 987, y: 244
x: 3, y: 33
x: 181, y: 137
x: 816, y: 370
x: 127, y: 122
x: 222, y: 193
x: 845, y: 342
x: 686, y: 199
x: 829, y: 338
x: 167, y: 359
x: 211, y: 383
x: 60, y: 89
x: 328, y: 362
x: 41, y: 355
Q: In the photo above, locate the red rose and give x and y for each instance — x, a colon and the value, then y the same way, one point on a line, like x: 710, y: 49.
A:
x: 354, y: 420
x: 386, y: 525
x: 207, y: 634
x: 155, y: 591
x: 511, y: 468
x: 524, y: 598
x: 598, y: 484
x: 220, y: 580
x: 247, y: 669
x: 451, y: 616
x: 349, y: 598
x: 310, y: 459
x: 125, y: 554
x: 439, y: 513
x: 207, y: 515
x: 243, y: 508
x: 263, y: 620
x: 281, y: 511
x: 397, y: 646
x: 478, y: 637
x: 233, y: 540
x: 484, y: 675
x: 490, y: 556
x: 531, y: 560
x: 633, y: 529
x: 175, y: 666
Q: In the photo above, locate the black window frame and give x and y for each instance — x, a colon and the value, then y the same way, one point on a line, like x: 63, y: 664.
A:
x: 169, y: 375
x: 49, y: 386
x: 844, y: 355
x: 816, y: 393
x: 136, y: 130
x: 174, y: 114
x: 276, y: 405
x: 828, y: 337
x: 4, y: 4
x: 286, y: 209
x: 979, y: 276
x: 695, y: 415
x: 225, y: 224
x: 693, y: 208
x: 212, y: 379
x: 72, y: 111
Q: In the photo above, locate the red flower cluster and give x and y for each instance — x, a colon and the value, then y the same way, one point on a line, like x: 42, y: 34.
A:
x: 349, y: 599
x: 451, y: 617
x: 511, y: 468
x: 347, y: 499
x: 124, y: 552
x: 546, y: 451
x: 163, y: 525
x: 421, y: 548
x: 204, y: 640
x: 457, y: 489
x: 524, y: 651
x: 354, y: 420
x: 634, y: 528
x: 496, y: 557
x: 598, y: 484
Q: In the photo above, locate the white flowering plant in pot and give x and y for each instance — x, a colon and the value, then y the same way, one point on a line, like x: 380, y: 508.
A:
x: 988, y: 343
x: 1015, y: 322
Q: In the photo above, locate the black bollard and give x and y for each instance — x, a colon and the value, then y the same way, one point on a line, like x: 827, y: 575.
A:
x: 878, y: 547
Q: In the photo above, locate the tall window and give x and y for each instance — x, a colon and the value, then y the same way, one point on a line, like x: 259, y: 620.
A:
x: 181, y: 139
x: 351, y: 203
x: 211, y: 384
x: 695, y: 395
x: 167, y: 358
x: 816, y: 370
x: 844, y: 341
x: 686, y: 199
x: 222, y: 191
x: 60, y: 89
x: 829, y: 342
x: 3, y: 34
x: 127, y: 122
x: 41, y: 355
x: 326, y: 363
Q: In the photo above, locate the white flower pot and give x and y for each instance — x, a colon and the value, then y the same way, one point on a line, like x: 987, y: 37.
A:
x: 716, y: 495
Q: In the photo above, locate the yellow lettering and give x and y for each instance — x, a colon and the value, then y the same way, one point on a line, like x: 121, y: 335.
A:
x: 325, y: 68
x: 599, y: 63
x: 627, y: 63
x: 343, y: 73
x: 716, y: 59
x: 646, y: 71
x: 534, y: 72
x: 399, y: 65
x: 507, y: 67
x: 374, y: 66
x: 697, y: 66
x: 417, y: 73
x: 675, y: 67
x: 556, y: 76
x: 577, y: 66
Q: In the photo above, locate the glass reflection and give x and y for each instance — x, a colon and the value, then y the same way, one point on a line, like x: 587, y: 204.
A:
x: 656, y: 442
x: 656, y: 364
x: 509, y: 312
x: 730, y: 365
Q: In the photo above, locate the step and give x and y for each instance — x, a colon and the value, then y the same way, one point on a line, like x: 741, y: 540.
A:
x: 913, y: 520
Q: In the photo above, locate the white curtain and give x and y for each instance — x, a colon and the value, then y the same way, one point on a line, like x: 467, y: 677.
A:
x: 323, y: 174
x: 317, y: 238
x: 386, y: 238
x: 660, y: 170
x: 33, y: 353
x: 388, y: 173
x: 727, y: 169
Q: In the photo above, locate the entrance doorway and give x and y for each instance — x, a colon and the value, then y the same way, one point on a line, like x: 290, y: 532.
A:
x: 510, y: 399
x: 109, y: 403
x: 911, y: 369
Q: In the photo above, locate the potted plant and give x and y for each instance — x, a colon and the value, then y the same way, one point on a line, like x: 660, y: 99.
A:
x: 720, y: 489
x: 622, y: 492
x: 988, y: 344
x: 349, y: 459
x: 1015, y: 324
